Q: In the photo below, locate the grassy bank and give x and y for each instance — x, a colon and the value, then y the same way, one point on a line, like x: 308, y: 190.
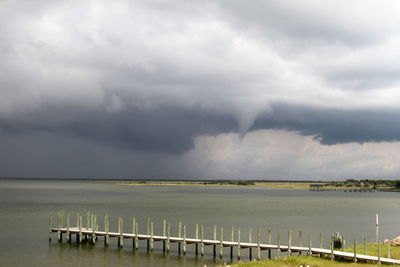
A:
x: 284, y: 185
x: 297, y: 261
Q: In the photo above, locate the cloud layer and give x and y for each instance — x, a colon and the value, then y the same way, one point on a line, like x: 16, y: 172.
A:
x: 152, y: 76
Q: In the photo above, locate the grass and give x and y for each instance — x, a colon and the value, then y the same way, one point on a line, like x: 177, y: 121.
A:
x: 297, y: 261
x: 372, y: 249
x: 286, y: 185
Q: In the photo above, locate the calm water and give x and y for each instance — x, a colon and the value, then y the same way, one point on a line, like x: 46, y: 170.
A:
x: 24, y: 208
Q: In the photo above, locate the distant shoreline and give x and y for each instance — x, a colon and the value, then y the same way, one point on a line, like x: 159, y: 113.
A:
x: 346, y: 185
x: 272, y: 185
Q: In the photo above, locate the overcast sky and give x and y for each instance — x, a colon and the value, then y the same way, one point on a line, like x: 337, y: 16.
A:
x: 200, y: 89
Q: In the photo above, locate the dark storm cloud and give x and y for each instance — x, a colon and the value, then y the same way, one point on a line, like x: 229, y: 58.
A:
x: 332, y: 126
x: 172, y: 130
x: 164, y: 129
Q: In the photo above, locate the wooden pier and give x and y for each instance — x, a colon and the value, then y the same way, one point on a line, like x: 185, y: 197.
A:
x: 91, y: 233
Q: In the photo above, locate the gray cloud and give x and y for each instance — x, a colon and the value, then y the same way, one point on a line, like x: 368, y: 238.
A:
x: 151, y: 77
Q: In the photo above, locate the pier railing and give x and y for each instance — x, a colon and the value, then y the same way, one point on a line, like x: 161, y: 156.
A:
x: 92, y: 234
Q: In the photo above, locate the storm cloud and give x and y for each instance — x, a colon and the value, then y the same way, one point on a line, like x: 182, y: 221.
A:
x: 151, y: 77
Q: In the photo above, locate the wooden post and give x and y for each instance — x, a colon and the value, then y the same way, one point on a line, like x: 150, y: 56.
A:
x: 379, y: 252
x: 179, y: 236
x: 50, y: 225
x: 87, y: 220
x: 269, y: 242
x: 87, y: 224
x: 62, y: 218
x: 332, y: 247
x: 59, y: 227
x: 320, y: 239
x: 344, y: 244
x: 136, y: 236
x: 80, y: 229
x: 377, y: 228
x: 168, y: 234
x: 355, y: 252
x: 202, y: 240
x: 279, y: 243
x: 258, y: 245
x: 164, y: 233
x: 388, y: 250
x: 106, y: 229
x: 148, y: 233
x: 300, y: 240
x: 93, y: 229
x: 197, y: 237
x: 365, y: 246
x: 238, y: 247
x: 77, y: 226
x: 151, y: 236
x: 184, y: 239
x: 68, y: 233
x: 232, y: 239
x: 120, y: 230
x: 215, y: 238
x: 133, y: 232
x: 221, y: 246
x: 309, y: 244
x: 250, y: 250
x: 289, y: 243
x: 91, y: 225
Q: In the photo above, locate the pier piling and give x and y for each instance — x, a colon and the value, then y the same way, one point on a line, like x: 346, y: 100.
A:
x: 202, y: 240
x: 250, y: 250
x: 238, y: 246
x: 232, y: 239
x: 164, y: 232
x: 50, y: 225
x: 151, y: 236
x: 184, y: 239
x: 215, y: 238
x: 258, y: 244
x: 221, y: 246
x: 168, y: 236
x: 197, y: 237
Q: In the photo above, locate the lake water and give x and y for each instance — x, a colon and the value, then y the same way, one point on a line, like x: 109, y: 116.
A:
x: 25, y: 205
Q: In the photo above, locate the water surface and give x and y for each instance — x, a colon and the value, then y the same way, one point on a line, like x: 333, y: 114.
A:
x: 25, y: 205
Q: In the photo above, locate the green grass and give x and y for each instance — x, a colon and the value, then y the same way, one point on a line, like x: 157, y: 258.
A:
x: 297, y: 261
x: 372, y: 249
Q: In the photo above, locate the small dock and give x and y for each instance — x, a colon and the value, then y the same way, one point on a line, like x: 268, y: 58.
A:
x: 92, y: 234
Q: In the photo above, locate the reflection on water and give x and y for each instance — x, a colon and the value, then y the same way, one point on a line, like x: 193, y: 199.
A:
x: 24, y: 207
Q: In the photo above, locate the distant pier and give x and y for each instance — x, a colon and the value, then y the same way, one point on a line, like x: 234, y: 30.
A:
x: 92, y: 234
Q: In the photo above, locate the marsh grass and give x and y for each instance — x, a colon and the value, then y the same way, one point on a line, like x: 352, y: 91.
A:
x: 297, y: 261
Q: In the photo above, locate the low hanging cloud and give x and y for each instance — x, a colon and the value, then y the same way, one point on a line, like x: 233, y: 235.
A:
x: 152, y: 76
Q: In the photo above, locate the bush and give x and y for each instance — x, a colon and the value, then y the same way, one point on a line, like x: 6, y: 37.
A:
x: 338, y: 241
